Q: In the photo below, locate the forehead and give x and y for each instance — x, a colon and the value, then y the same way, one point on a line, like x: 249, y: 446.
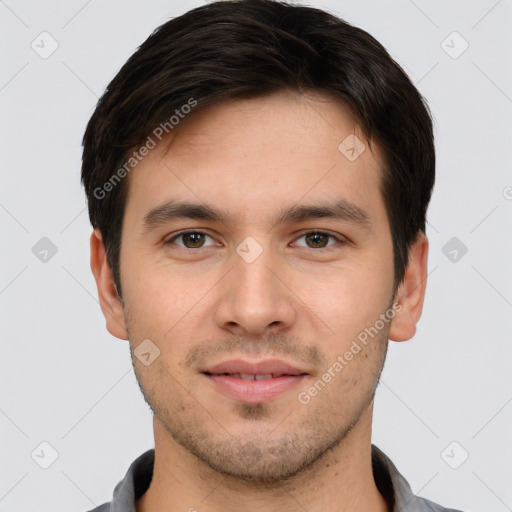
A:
x: 260, y: 155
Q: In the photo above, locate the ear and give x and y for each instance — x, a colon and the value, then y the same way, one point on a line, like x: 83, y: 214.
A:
x: 411, y: 292
x: 110, y: 302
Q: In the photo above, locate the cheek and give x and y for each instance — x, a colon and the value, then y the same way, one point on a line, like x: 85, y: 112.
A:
x: 348, y: 382
x: 158, y: 291
x: 169, y: 308
x: 350, y: 298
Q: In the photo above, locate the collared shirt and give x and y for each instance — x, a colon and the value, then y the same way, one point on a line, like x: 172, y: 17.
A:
x: 390, y: 483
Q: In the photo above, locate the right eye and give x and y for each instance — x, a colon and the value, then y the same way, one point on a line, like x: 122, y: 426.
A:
x: 190, y: 239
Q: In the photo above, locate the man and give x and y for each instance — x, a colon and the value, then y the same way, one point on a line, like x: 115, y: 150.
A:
x: 258, y: 176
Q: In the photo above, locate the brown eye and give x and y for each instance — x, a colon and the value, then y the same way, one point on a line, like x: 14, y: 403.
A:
x: 317, y: 240
x: 190, y: 240
x: 193, y: 240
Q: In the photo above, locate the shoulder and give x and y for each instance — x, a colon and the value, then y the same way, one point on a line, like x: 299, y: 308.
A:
x: 424, y: 505
x: 395, y: 488
x: 102, y: 508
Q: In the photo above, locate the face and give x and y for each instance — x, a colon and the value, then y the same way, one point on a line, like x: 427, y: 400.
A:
x: 255, y: 293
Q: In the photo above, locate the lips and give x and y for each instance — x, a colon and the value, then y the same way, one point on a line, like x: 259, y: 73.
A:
x: 238, y: 367
x: 254, y: 382
x: 250, y: 376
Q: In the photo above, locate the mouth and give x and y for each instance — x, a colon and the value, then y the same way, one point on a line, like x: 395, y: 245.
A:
x: 251, y: 376
x: 254, y: 382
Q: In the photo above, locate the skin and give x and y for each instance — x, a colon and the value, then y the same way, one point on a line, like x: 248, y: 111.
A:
x: 301, y: 300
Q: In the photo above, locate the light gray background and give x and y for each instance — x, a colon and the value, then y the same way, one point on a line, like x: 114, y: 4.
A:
x: 66, y: 381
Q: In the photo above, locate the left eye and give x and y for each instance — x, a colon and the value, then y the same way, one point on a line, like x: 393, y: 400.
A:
x: 317, y: 239
x: 196, y: 240
x: 191, y: 239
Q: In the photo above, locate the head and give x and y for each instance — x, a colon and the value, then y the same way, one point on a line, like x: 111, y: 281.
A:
x: 299, y: 159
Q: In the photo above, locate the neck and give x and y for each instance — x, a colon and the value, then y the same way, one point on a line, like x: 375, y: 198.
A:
x: 341, y: 480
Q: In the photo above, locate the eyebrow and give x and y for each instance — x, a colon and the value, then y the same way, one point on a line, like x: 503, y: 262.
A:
x: 342, y: 210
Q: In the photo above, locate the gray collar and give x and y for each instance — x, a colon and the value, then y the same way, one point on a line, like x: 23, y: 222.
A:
x: 391, y: 484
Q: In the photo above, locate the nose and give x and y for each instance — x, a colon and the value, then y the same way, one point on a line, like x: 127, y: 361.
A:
x: 255, y: 299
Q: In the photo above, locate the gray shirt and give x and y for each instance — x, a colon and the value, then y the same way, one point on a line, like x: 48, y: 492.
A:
x: 391, y: 484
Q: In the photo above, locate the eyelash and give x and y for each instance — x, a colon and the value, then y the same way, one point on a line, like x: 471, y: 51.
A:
x: 313, y: 232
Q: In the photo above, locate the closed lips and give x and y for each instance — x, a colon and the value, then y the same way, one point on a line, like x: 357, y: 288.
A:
x: 254, y: 382
x: 247, y: 370
x: 250, y: 376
